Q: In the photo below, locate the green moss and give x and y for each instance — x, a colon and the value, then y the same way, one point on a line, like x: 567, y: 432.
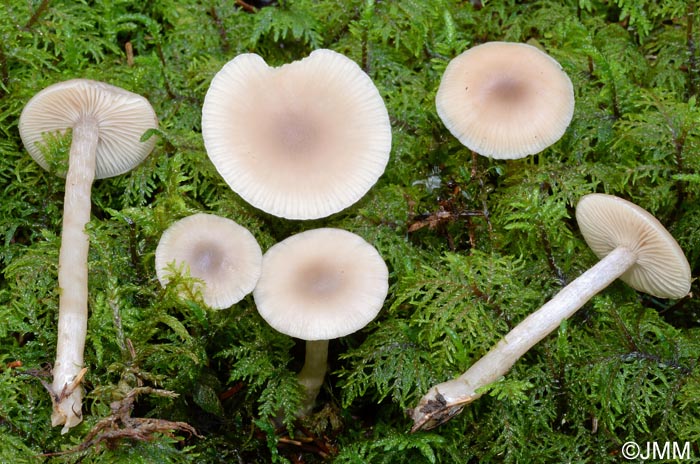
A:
x: 623, y: 368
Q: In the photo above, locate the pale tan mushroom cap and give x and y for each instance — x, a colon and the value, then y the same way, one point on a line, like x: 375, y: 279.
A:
x: 216, y: 250
x: 321, y: 284
x: 301, y: 141
x: 607, y: 222
x: 505, y: 100
x: 122, y: 118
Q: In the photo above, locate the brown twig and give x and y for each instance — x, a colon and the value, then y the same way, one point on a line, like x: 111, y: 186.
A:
x: 246, y: 6
x: 223, y: 36
x: 231, y: 391
x: 322, y: 445
x: 475, y: 165
x: 307, y: 442
x: 164, y: 66
x: 37, y: 14
x: 129, y: 50
x: 120, y: 425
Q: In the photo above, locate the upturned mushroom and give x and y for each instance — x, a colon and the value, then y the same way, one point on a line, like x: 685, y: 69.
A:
x: 301, y: 141
x: 632, y: 245
x: 319, y: 285
x: 505, y: 100
x: 107, y: 123
x: 222, y: 254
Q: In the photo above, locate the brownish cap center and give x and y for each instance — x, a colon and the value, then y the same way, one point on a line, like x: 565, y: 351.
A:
x: 508, y: 90
x: 295, y: 134
x: 207, y: 258
x: 319, y: 280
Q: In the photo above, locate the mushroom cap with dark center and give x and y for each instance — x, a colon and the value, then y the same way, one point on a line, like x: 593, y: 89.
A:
x: 122, y: 118
x: 505, y: 100
x: 301, y: 141
x: 607, y: 222
x: 216, y: 250
x: 321, y: 284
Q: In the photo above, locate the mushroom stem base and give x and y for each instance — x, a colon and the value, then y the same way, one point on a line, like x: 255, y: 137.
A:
x: 312, y: 374
x: 67, y: 403
x: 445, y: 400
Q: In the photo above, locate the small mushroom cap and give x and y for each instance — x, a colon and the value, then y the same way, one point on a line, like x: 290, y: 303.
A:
x: 505, y: 100
x: 122, y: 118
x: 216, y: 250
x: 608, y: 222
x: 301, y: 141
x: 321, y: 284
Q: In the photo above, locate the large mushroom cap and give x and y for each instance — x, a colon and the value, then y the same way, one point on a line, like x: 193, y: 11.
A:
x: 608, y: 222
x: 301, y: 141
x: 122, y: 118
x: 218, y: 251
x: 505, y: 100
x: 321, y: 284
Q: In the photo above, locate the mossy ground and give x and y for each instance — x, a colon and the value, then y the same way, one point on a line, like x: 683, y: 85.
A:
x: 624, y: 368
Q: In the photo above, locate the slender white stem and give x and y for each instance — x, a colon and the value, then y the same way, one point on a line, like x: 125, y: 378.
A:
x: 312, y: 374
x: 73, y: 277
x: 446, y: 399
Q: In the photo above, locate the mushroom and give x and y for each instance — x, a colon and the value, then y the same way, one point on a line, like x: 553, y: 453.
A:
x: 222, y: 254
x: 107, y: 123
x: 505, y: 100
x: 631, y: 244
x: 318, y: 285
x: 301, y: 141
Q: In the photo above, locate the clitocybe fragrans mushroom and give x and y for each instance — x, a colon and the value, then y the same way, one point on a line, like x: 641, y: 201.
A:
x: 107, y: 123
x: 221, y: 253
x: 318, y: 285
x: 301, y: 141
x: 505, y: 100
x: 631, y: 244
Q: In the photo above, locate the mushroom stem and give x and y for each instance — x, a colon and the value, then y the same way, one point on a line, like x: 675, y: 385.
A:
x: 448, y: 398
x: 312, y: 374
x: 73, y: 277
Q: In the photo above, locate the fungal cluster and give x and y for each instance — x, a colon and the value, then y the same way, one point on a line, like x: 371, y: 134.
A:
x: 306, y: 140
